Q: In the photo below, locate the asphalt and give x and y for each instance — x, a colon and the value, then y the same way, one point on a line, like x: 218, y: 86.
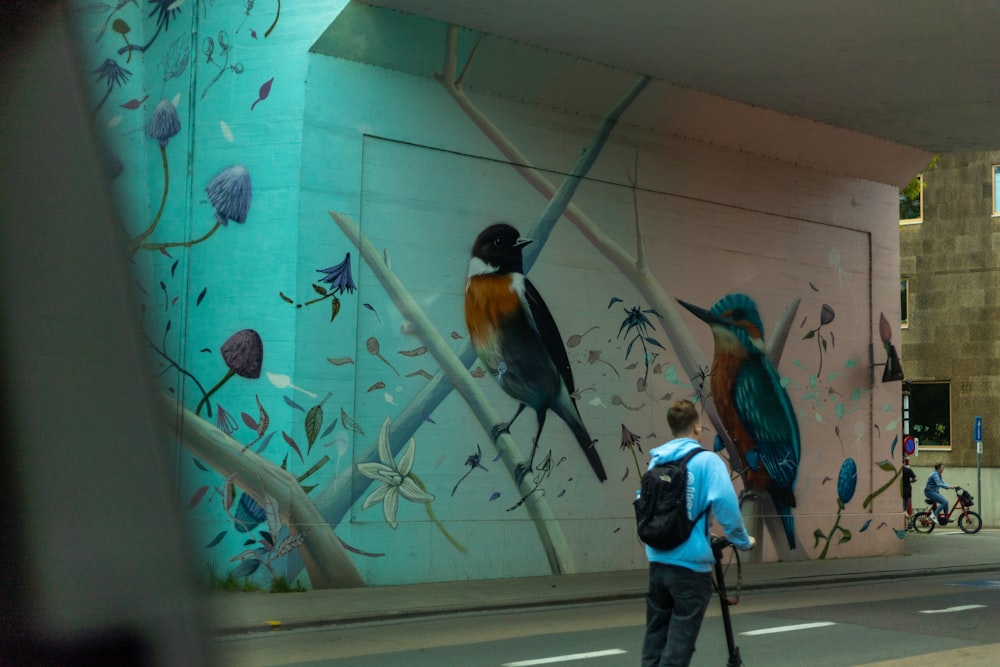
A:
x: 942, y: 552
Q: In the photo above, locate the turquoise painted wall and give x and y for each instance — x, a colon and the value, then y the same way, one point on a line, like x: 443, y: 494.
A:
x: 349, y: 143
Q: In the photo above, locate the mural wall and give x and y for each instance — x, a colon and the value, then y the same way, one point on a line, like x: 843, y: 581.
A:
x: 414, y: 328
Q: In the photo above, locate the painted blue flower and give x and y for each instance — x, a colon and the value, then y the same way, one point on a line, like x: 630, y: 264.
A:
x: 249, y: 514
x: 165, y: 122
x: 339, y: 276
x: 230, y: 193
x: 847, y: 481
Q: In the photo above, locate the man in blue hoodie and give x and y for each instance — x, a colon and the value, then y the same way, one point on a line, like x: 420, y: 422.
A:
x: 680, y: 579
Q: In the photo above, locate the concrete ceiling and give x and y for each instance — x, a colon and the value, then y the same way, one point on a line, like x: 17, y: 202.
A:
x: 921, y: 73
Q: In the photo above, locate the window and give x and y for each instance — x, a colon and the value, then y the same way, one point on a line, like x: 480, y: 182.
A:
x: 930, y: 414
x: 904, y: 294
x: 911, y: 204
x: 996, y: 190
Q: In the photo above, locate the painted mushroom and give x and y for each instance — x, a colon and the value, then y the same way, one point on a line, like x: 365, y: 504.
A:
x: 243, y: 354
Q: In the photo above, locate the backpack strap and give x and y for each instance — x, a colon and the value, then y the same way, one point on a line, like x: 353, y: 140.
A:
x: 685, y: 459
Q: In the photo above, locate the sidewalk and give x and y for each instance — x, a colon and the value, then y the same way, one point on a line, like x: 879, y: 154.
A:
x: 944, y: 551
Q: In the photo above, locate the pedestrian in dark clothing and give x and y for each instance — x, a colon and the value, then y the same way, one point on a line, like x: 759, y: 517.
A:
x: 907, y: 478
x: 680, y: 580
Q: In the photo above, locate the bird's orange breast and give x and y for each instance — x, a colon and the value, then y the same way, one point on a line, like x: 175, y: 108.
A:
x: 489, y: 301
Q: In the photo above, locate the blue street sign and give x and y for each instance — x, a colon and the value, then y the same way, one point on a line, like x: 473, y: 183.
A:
x: 977, y: 432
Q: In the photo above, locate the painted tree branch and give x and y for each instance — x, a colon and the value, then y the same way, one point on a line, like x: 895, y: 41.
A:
x: 688, y: 352
x: 556, y: 549
x: 325, y: 558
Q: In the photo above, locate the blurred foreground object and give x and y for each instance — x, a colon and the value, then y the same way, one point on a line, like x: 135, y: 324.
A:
x: 94, y: 560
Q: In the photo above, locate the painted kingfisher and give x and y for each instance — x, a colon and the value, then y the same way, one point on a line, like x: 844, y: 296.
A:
x: 752, y: 404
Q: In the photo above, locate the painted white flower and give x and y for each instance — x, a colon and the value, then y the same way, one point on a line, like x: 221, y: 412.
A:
x: 395, y: 478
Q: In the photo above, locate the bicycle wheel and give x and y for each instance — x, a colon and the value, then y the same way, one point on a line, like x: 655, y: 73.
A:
x: 924, y: 522
x: 970, y: 523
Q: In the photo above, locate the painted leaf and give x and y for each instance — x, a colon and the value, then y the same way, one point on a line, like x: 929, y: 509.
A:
x: 289, y: 544
x: 199, y: 464
x: 265, y: 421
x: 228, y: 492
x: 246, y: 568
x: 134, y: 103
x: 201, y: 296
x: 264, y: 443
x: 314, y: 422
x: 293, y: 404
x: 226, y: 131
x: 218, y: 538
x: 334, y: 309
x: 291, y: 443
x: 329, y: 429
x: 865, y: 526
x: 265, y: 90
x: 267, y: 539
x: 886, y: 465
x: 273, y: 517
x: 319, y: 289
x: 653, y: 341
x: 249, y: 421
x: 196, y: 498
x: 285, y: 297
x: 892, y: 448
x: 349, y: 423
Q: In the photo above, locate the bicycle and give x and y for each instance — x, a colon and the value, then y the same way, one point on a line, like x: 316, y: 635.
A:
x: 970, y: 522
x: 718, y: 544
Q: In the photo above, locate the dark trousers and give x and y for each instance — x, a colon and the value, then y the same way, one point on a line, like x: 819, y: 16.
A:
x: 675, y: 606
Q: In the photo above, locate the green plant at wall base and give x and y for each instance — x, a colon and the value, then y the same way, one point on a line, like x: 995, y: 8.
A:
x: 229, y: 584
x: 280, y: 585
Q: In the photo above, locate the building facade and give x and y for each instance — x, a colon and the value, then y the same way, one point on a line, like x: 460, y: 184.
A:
x: 949, y: 251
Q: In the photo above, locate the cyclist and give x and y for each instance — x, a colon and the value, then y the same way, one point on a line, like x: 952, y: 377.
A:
x: 935, y: 482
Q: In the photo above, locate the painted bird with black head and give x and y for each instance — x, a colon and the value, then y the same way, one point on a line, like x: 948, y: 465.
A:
x: 518, y: 341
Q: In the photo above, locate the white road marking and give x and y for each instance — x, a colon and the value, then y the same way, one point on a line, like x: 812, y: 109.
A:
x: 565, y: 658
x: 963, y: 607
x: 787, y: 628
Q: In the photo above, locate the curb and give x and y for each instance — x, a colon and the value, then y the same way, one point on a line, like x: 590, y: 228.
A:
x: 590, y: 598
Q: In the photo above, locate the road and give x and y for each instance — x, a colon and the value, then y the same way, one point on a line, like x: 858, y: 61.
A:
x: 829, y: 626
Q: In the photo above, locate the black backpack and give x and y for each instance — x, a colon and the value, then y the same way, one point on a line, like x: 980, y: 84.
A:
x: 661, y: 507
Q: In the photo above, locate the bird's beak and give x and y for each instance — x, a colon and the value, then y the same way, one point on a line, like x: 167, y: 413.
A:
x: 700, y: 313
x: 522, y: 241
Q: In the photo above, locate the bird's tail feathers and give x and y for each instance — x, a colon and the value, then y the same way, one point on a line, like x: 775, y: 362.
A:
x: 785, y: 514
x: 571, y: 416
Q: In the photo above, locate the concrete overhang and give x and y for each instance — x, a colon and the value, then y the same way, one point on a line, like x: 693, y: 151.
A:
x: 869, y: 91
x: 921, y: 73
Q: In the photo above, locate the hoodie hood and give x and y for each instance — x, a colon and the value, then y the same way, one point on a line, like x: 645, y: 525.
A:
x: 673, y: 450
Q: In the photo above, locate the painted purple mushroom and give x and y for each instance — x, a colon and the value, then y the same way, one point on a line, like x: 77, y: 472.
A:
x: 164, y: 124
x: 230, y: 193
x: 243, y: 353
